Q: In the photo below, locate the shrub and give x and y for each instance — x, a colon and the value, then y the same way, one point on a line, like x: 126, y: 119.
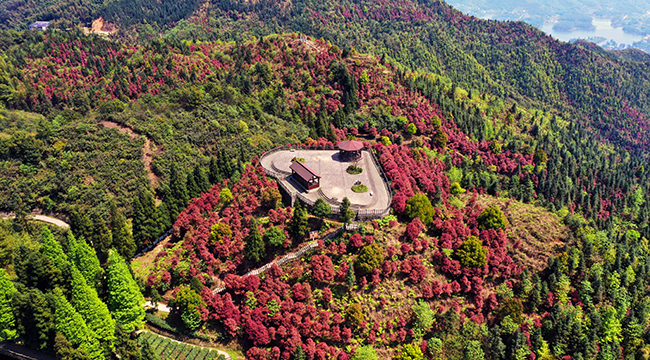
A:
x: 225, y: 196
x: 410, y: 352
x: 354, y: 170
x: 359, y: 188
x: 271, y: 197
x: 321, y: 209
x: 492, y: 218
x: 219, y: 231
x: 424, y: 318
x: 411, y: 129
x: 354, y: 315
x: 420, y: 206
x: 471, y: 253
x: 365, y: 353
x: 274, y: 236
x: 540, y: 157
x: 512, y: 308
x: 495, y: 147
x: 298, y: 159
x: 440, y: 138
x: 370, y: 258
x: 456, y: 189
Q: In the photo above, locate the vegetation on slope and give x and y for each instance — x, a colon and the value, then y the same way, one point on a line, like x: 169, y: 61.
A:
x: 438, y: 278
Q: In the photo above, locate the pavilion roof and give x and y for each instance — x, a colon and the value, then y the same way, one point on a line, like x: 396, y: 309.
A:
x: 350, y: 145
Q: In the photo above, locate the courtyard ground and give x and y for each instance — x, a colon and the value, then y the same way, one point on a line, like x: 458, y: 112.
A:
x: 335, y: 182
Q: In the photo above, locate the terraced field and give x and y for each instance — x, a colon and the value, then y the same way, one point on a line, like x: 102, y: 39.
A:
x: 172, y: 349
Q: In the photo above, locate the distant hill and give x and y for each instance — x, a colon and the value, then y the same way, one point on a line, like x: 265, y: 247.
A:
x: 17, y: 14
x: 509, y: 59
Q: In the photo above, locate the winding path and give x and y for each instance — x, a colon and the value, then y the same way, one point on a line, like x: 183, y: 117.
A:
x: 44, y: 218
x: 147, y: 153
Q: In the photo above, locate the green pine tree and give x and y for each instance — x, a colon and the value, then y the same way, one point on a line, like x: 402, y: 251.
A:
x: 51, y: 248
x: 85, y: 260
x: 92, y: 309
x: 298, y: 225
x: 146, y: 219
x: 346, y: 214
x: 139, y: 235
x: 192, y: 187
x: 254, y: 249
x: 178, y: 191
x: 321, y: 209
x: 124, y: 298
x: 102, y: 239
x: 72, y: 325
x: 350, y: 277
x: 215, y: 173
x: 201, y: 179
x: 81, y: 224
x: 122, y: 238
x: 7, y: 320
x: 65, y: 351
x: 125, y: 346
x: 299, y: 354
x: 225, y: 167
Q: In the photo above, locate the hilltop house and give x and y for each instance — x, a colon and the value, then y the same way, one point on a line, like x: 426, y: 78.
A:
x: 39, y: 25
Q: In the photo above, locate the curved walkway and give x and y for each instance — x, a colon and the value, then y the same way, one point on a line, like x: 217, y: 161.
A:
x: 44, y: 218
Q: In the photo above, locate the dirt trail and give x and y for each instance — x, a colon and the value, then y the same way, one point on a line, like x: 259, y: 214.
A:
x: 147, y: 154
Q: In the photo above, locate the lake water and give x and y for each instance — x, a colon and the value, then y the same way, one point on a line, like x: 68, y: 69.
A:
x: 604, y: 29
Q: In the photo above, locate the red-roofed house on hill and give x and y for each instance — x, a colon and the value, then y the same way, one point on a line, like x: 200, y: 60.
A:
x: 305, y: 176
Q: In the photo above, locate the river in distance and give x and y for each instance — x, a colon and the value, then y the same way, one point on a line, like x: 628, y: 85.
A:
x: 604, y: 29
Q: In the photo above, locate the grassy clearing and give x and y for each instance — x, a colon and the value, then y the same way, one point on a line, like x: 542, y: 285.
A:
x: 538, y: 230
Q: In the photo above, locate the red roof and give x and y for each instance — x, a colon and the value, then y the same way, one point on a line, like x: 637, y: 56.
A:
x: 350, y: 145
x: 303, y: 170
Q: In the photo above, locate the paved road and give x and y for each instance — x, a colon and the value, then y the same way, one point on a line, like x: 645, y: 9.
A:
x: 44, y: 218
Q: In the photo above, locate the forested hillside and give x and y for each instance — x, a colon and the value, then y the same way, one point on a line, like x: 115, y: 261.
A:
x: 519, y: 221
x: 508, y: 59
